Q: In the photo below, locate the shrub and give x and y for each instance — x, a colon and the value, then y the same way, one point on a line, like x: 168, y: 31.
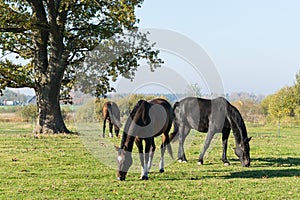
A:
x: 28, y: 113
x: 86, y: 113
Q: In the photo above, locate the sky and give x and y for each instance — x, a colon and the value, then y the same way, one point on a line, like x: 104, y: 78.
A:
x: 254, y: 45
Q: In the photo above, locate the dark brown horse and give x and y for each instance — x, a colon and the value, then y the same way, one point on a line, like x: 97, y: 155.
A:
x: 211, y: 116
x: 111, y: 112
x: 147, y: 120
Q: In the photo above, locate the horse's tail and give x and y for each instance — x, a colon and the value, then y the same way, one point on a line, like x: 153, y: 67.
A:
x: 174, y: 135
x: 169, y: 149
x: 114, y: 114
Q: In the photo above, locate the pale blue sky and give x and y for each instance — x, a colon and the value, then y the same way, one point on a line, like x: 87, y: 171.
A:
x: 255, y: 45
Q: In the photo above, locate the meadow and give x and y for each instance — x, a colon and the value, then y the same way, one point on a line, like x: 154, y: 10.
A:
x: 62, y: 167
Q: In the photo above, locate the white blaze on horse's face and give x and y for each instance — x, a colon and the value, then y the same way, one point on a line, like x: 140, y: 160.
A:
x: 119, y: 158
x: 124, y: 161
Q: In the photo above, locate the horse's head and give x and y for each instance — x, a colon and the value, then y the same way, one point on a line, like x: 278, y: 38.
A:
x: 124, y: 160
x: 243, y: 152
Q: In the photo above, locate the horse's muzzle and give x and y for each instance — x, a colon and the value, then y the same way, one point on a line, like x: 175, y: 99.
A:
x: 246, y: 164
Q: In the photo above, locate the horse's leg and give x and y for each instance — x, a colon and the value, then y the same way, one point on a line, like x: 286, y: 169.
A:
x: 225, y: 135
x: 110, y: 128
x: 210, y: 134
x: 183, y: 132
x: 152, y: 150
x: 139, y: 144
x: 165, y: 144
x: 117, y: 130
x: 148, y: 145
x: 104, y: 126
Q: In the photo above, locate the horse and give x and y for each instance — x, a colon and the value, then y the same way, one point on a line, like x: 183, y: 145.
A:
x: 111, y: 112
x: 147, y: 120
x: 211, y: 116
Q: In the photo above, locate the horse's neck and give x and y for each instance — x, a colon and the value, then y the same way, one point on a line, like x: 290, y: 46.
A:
x: 127, y: 142
x: 238, y: 126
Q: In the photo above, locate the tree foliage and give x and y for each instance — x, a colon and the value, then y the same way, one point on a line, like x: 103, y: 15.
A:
x: 80, y: 26
x: 52, y: 38
x: 297, y: 87
x: 283, y: 103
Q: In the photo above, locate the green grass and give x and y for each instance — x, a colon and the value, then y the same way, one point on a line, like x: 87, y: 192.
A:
x: 62, y: 167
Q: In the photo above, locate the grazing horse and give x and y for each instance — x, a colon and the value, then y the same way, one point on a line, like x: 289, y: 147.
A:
x: 147, y: 120
x: 111, y: 112
x: 211, y: 116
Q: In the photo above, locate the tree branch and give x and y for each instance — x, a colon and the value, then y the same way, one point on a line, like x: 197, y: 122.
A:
x: 13, y: 30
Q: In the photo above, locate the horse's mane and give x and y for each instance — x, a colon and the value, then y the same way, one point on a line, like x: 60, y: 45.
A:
x: 128, y: 123
x: 237, y: 123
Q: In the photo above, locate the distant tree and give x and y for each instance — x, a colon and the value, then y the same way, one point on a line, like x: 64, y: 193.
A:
x: 250, y: 110
x: 87, y: 112
x: 283, y: 103
x: 13, y: 96
x: 54, y: 37
x: 194, y: 90
x: 127, y: 103
x: 265, y: 104
x: 297, y: 87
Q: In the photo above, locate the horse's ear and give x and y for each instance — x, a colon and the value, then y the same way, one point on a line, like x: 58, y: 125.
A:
x: 116, y: 148
x: 248, y: 139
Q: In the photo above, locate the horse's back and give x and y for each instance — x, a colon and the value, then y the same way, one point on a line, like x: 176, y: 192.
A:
x: 169, y: 113
x: 193, y: 112
x: 112, y: 107
x: 104, y: 110
x: 197, y: 113
x: 162, y: 102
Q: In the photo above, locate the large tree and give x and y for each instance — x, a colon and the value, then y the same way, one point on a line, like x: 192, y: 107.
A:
x: 53, y: 38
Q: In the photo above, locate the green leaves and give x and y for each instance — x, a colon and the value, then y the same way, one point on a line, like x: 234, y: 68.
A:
x: 15, y: 76
x: 115, y: 57
x: 64, y: 33
x: 281, y: 104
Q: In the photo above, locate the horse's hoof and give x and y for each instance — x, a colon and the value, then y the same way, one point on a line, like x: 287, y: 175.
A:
x: 161, y: 170
x: 226, y: 163
x: 144, y: 178
x: 200, y: 163
x: 182, y: 161
x: 121, y: 179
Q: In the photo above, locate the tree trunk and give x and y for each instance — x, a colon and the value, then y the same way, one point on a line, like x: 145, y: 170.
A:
x: 50, y: 118
x: 278, y: 127
x: 50, y: 62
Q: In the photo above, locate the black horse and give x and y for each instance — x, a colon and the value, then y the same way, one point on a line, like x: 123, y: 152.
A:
x: 211, y: 116
x: 146, y: 121
x: 111, y: 112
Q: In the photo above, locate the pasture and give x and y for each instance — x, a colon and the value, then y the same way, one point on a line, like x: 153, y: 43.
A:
x: 61, y: 167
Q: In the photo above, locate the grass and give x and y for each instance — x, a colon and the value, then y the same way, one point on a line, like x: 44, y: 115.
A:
x: 64, y: 167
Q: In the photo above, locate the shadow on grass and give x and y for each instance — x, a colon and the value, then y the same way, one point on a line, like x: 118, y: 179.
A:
x: 252, y: 174
x: 261, y: 168
x: 277, y: 161
x: 264, y: 173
